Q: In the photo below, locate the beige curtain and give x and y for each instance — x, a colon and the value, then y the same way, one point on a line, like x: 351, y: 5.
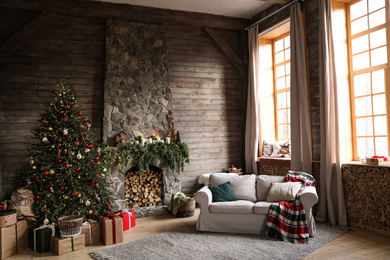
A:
x: 331, y: 199
x: 301, y: 159
x: 252, y: 111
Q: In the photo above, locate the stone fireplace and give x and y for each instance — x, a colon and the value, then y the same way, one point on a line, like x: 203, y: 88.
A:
x: 137, y: 96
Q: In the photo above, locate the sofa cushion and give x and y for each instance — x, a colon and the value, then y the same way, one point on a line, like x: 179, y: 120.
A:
x: 261, y: 207
x: 283, y: 191
x: 223, y: 192
x: 232, y: 207
x: 244, y: 186
x: 263, y: 184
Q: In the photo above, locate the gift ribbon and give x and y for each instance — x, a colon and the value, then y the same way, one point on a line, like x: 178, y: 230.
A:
x: 112, y: 217
x: 88, y: 223
x: 41, y: 227
x: 123, y: 211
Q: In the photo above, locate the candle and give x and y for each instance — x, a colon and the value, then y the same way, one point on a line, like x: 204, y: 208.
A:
x: 150, y: 140
x: 136, y: 142
x: 143, y: 142
x: 168, y: 140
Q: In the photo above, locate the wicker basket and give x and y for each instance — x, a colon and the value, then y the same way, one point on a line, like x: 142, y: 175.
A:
x: 187, y: 210
x: 70, y: 226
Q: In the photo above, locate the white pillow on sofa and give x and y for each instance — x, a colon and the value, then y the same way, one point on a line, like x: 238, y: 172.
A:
x: 283, y: 191
x: 263, y: 184
x: 244, y: 186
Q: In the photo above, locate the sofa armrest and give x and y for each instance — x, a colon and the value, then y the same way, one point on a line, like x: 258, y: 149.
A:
x: 204, y: 198
x: 309, y: 197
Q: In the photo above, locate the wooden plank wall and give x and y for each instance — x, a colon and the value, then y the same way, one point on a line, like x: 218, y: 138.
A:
x: 70, y: 48
x: 206, y: 88
x: 207, y: 101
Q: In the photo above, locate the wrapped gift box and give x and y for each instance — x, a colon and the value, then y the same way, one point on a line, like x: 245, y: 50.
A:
x: 111, y: 229
x: 91, y: 230
x: 13, y: 239
x: 128, y: 217
x: 377, y: 160
x: 39, y: 238
x: 4, y: 205
x: 7, y: 217
x: 63, y: 245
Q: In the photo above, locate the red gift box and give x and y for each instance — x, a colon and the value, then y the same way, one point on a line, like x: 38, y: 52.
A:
x: 128, y: 217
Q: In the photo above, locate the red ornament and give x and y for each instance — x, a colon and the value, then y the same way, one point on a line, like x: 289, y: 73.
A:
x: 61, y: 112
x: 75, y: 194
x: 67, y: 165
x: 75, y: 92
x: 59, y: 154
x: 59, y: 161
x: 94, y: 213
x: 90, y: 146
x: 78, y: 169
x: 37, y: 178
x: 37, y: 197
x: 67, y: 106
x: 68, y: 212
x: 79, y: 113
x: 55, y: 91
x: 91, y: 160
x: 64, y: 137
x: 97, y: 175
x: 97, y: 158
x: 98, y: 162
x: 62, y: 187
x: 77, y: 143
x: 46, y: 172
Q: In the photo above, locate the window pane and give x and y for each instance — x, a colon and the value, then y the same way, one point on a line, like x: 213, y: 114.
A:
x: 361, y: 61
x: 288, y: 116
x: 288, y: 81
x: 379, y: 103
x: 358, y: 9
x: 359, y: 25
x: 287, y: 42
x: 378, y: 56
x: 362, y: 84
x: 378, y: 38
x: 365, y: 146
x: 282, y: 116
x: 364, y: 126
x: 377, y: 18
x: 281, y: 83
x: 375, y: 5
x: 381, y: 146
x: 288, y: 98
x: 279, y: 57
x: 380, y: 125
x: 360, y: 44
x: 363, y: 106
x: 281, y: 97
x: 378, y: 81
x: 279, y: 71
x: 279, y: 45
x: 282, y: 131
x: 287, y: 54
x: 288, y: 70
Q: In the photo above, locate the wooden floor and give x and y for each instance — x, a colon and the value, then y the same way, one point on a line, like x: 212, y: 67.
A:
x: 355, y: 244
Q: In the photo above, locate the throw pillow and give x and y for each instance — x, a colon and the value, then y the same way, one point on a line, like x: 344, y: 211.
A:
x: 244, y: 186
x: 223, y: 192
x: 283, y: 191
x: 268, y: 148
x: 263, y: 184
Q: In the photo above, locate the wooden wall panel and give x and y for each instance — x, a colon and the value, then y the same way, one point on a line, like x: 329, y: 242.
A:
x: 68, y: 47
x: 207, y: 102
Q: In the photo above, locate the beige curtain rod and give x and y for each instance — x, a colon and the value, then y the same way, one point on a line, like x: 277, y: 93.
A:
x: 280, y: 9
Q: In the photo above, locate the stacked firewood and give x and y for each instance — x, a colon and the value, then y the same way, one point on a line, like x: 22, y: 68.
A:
x: 143, y: 190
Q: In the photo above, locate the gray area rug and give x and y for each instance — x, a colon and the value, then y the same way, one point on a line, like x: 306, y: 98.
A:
x: 187, y: 243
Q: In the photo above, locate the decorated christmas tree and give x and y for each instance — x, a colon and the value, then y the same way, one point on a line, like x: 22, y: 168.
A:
x: 65, y: 172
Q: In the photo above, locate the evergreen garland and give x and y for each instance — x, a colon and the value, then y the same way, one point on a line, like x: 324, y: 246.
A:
x: 172, y: 155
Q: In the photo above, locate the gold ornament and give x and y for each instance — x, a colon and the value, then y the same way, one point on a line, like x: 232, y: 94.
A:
x: 52, y: 171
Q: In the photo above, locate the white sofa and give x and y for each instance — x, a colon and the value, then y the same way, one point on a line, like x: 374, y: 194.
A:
x: 248, y: 214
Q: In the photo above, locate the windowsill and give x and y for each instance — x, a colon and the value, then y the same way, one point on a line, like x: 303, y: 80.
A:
x: 358, y: 163
x: 279, y: 161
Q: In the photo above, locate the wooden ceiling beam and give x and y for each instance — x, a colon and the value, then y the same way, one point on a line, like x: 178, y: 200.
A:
x: 24, y: 34
x: 95, y: 9
x: 225, y: 49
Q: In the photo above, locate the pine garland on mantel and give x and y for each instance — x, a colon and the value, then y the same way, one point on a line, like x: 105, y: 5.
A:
x: 172, y: 155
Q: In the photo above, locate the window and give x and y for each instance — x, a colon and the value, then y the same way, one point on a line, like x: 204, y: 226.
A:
x: 281, y: 71
x: 368, y: 50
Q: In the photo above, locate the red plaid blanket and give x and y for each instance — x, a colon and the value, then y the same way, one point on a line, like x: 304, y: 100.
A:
x: 287, y: 220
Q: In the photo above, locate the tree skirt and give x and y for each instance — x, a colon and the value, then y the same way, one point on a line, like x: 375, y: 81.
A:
x: 187, y: 243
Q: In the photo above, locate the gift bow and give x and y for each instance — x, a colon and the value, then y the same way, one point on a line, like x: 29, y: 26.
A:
x: 53, y: 231
x: 124, y: 211
x: 376, y: 157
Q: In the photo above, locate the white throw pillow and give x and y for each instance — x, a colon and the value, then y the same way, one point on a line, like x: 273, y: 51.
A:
x: 283, y: 191
x: 263, y: 184
x: 244, y: 186
x: 268, y: 148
